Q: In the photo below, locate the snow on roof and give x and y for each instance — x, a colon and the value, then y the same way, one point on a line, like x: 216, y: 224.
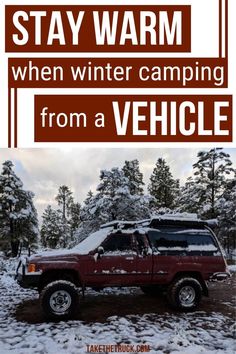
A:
x: 92, y: 241
x: 193, y: 231
x: 181, y: 219
x: 212, y: 222
x: 177, y: 216
x: 184, y: 217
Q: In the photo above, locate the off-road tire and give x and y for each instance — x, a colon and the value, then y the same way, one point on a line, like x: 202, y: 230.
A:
x: 185, y: 294
x: 59, y: 300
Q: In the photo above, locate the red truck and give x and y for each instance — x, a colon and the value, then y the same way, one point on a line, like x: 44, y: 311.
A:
x: 176, y: 256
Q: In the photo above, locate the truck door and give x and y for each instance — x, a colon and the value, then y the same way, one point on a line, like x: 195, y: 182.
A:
x: 117, y: 265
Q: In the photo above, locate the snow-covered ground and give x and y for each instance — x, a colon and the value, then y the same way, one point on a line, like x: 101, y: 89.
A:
x: 201, y: 332
x: 232, y: 268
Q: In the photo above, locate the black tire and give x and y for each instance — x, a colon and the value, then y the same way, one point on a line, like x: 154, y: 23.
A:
x: 59, y: 300
x: 185, y: 294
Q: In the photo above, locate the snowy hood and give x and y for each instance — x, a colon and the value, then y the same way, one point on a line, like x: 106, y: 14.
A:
x: 92, y: 241
x: 71, y: 254
x: 83, y: 248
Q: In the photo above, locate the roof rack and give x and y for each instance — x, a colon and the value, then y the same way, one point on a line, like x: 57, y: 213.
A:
x: 116, y: 224
x: 158, y: 220
x: 120, y: 224
x: 178, y: 221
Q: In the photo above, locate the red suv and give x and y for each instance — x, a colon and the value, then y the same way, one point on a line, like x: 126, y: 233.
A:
x: 177, y: 256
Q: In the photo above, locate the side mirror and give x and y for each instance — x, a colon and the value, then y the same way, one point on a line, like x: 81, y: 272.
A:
x: 100, y: 251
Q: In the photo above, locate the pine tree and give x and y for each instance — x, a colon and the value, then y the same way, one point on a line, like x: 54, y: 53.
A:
x: 52, y: 230
x: 211, y: 173
x: 74, y: 222
x: 59, y: 226
x: 113, y: 201
x: 113, y: 183
x: 64, y: 199
x: 163, y: 187
x: 91, y: 217
x: 89, y: 197
x: 117, y: 200
x: 132, y: 172
x: 190, y: 198
x: 74, y: 213
x: 66, y: 234
x: 226, y: 207
x: 18, y: 216
x: 27, y: 228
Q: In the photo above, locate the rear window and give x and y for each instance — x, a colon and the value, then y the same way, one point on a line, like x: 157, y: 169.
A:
x: 179, y: 240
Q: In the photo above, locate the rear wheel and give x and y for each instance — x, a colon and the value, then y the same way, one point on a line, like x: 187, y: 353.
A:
x: 185, y: 293
x: 59, y: 299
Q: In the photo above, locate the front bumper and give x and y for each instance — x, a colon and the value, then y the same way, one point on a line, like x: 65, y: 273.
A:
x: 25, y: 279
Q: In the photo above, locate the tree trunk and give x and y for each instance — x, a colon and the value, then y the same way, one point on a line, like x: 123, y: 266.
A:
x: 64, y: 207
x: 14, y: 243
x: 14, y: 248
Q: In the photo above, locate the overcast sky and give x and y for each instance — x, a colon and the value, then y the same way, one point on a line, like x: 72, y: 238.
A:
x: 44, y: 170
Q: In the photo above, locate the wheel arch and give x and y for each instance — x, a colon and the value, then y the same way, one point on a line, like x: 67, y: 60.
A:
x: 195, y: 275
x: 59, y: 274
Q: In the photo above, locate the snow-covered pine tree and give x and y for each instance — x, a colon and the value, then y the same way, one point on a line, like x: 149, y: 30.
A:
x: 211, y: 173
x: 118, y: 202
x: 65, y: 230
x: 91, y: 217
x: 52, y: 230
x: 191, y: 196
x: 132, y: 172
x: 64, y: 199
x: 74, y: 219
x: 28, y: 229
x: 226, y: 207
x: 163, y: 187
x: 113, y: 201
x: 18, y: 216
x: 89, y: 197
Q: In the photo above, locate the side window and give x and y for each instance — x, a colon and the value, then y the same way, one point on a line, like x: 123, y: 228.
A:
x: 177, y: 241
x: 118, y: 243
x: 203, y: 242
x: 165, y: 241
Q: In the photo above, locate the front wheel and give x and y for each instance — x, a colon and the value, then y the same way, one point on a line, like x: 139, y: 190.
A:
x: 185, y: 293
x: 59, y: 299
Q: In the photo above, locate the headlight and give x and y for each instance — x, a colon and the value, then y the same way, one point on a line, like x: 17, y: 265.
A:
x: 31, y: 267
